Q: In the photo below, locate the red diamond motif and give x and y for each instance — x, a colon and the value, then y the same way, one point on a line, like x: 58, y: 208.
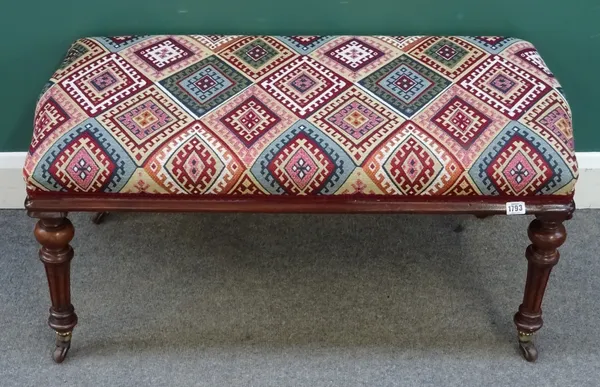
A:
x: 405, y: 83
x: 446, y: 52
x: 256, y: 53
x: 301, y: 167
x: 205, y: 83
x: 304, y: 85
x: 193, y: 171
x: 83, y: 168
x: 412, y: 167
x: 82, y: 165
x: 194, y: 166
x: 250, y: 120
x: 103, y: 81
x: 518, y: 168
x: 462, y: 121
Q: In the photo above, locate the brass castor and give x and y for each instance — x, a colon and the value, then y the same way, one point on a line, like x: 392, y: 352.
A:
x: 63, y: 343
x: 99, y: 217
x: 482, y: 216
x: 527, y: 346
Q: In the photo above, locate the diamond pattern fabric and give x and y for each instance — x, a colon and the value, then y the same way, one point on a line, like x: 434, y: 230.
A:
x: 371, y: 116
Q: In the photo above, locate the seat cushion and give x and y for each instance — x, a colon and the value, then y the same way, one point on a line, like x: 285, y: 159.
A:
x: 302, y: 115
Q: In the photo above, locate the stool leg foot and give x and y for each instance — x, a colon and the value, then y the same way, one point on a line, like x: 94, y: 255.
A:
x: 98, y: 217
x: 63, y: 343
x: 527, y: 346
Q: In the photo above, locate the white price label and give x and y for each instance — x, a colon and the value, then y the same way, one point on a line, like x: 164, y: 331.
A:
x: 515, y: 208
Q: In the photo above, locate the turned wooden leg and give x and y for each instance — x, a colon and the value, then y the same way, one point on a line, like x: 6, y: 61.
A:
x: 98, y: 217
x: 546, y: 233
x: 54, y: 232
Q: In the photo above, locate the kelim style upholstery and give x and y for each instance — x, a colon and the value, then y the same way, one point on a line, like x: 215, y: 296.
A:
x: 420, y: 124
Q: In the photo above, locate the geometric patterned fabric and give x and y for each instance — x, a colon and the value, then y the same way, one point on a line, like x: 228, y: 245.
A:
x: 372, y: 116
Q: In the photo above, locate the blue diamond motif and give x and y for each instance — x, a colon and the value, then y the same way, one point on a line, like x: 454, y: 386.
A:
x: 205, y: 84
x: 405, y: 83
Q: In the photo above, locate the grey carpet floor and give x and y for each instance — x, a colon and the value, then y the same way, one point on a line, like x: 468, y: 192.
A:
x: 299, y: 300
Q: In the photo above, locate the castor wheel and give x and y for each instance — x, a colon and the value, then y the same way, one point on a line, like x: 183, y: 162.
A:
x: 527, y: 347
x: 482, y: 216
x: 99, y: 217
x: 63, y: 343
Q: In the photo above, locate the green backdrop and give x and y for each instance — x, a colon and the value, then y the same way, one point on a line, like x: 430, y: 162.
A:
x: 36, y: 34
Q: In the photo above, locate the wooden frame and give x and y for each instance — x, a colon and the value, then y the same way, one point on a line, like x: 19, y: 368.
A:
x: 302, y: 204
x: 54, y: 232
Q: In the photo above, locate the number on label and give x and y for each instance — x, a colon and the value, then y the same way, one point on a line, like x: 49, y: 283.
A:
x: 515, y: 208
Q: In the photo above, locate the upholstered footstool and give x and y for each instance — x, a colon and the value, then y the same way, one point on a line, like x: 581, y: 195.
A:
x: 327, y: 124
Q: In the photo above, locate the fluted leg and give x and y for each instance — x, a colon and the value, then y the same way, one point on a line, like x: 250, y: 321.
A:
x: 546, y: 233
x: 54, y: 232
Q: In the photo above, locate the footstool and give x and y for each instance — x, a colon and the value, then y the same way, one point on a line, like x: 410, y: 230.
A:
x: 323, y: 124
